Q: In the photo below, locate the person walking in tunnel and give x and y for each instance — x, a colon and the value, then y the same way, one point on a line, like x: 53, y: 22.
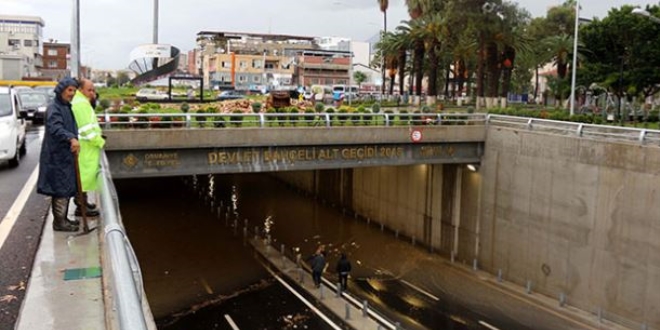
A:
x: 318, y: 264
x: 91, y: 143
x: 343, y: 268
x: 57, y: 171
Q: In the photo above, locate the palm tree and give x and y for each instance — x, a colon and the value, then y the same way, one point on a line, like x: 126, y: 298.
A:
x: 415, y: 10
x: 559, y: 48
x: 383, y: 4
x: 388, y: 48
x: 403, y: 45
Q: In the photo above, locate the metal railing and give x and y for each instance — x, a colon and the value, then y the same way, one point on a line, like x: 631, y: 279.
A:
x: 124, y: 270
x: 238, y: 120
x: 608, y: 133
x: 245, y: 120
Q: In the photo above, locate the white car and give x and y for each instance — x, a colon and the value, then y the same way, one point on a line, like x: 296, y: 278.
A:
x: 150, y: 94
x: 12, y: 128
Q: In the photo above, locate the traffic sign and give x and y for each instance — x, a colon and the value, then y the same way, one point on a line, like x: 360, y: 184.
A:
x: 416, y: 135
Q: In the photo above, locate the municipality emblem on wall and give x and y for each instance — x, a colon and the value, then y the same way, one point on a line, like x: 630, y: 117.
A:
x: 130, y: 161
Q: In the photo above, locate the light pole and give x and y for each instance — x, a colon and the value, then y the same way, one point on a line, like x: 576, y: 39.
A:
x: 642, y: 12
x: 574, y: 64
x: 75, y: 40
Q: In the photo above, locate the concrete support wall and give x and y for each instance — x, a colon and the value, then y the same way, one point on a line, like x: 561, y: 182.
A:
x: 436, y: 204
x: 575, y: 216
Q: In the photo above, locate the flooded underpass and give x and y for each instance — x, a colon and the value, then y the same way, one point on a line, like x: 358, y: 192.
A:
x: 197, y: 269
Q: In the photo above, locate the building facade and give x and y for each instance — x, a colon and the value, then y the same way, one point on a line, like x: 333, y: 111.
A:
x: 21, y: 46
x: 323, y: 67
x: 249, y: 61
x: 56, y: 60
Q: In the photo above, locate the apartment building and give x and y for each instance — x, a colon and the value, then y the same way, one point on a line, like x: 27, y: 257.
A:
x: 56, y: 60
x: 21, y: 47
x: 249, y: 60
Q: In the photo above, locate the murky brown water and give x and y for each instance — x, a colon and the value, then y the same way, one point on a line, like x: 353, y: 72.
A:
x: 195, y: 262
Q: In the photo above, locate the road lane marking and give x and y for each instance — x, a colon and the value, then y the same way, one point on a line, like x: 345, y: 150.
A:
x: 420, y: 290
x: 12, y: 215
x: 305, y: 301
x: 231, y: 322
x: 488, y: 325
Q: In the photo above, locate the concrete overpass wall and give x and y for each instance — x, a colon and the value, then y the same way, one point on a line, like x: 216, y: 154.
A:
x: 419, y: 201
x: 575, y: 216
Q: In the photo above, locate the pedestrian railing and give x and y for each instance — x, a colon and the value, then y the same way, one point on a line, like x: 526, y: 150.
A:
x: 238, y: 120
x: 121, y: 267
x: 603, y: 132
x: 276, y: 120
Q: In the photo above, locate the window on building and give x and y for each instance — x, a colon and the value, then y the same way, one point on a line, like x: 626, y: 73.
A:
x: 242, y: 64
x: 270, y: 65
x: 13, y: 42
x: 242, y: 78
x: 27, y: 43
x: 52, y: 52
x: 226, y: 65
x: 256, y: 79
x: 257, y: 64
x: 52, y: 64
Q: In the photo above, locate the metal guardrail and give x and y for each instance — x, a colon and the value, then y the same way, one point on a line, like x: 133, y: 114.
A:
x: 237, y: 120
x: 126, y: 277
x: 609, y: 133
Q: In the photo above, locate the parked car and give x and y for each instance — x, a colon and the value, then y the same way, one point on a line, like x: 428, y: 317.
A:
x: 12, y: 127
x: 230, y: 95
x: 50, y: 90
x: 33, y: 104
x: 150, y: 94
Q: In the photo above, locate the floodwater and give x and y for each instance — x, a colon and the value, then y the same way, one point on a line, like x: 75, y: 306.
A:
x: 188, y: 236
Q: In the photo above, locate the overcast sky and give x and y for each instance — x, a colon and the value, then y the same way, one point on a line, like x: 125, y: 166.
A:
x: 110, y: 29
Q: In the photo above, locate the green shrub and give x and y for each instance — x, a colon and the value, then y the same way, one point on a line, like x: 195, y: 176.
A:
x: 425, y: 109
x: 201, y: 120
x: 237, y: 121
x: 104, y: 104
x: 404, y: 117
x: 319, y: 107
x: 310, y: 117
x: 142, y: 122
x: 256, y: 107
x: 185, y: 107
x: 375, y: 108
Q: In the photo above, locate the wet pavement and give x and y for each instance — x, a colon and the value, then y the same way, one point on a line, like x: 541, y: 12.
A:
x: 18, y: 251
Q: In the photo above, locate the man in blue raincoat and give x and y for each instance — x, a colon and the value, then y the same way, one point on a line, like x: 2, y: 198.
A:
x: 57, y: 171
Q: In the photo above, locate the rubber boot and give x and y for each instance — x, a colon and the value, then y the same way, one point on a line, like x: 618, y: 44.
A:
x: 60, y: 208
x: 91, y: 208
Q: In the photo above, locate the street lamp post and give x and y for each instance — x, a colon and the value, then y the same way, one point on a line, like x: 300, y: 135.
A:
x: 574, y: 64
x: 642, y: 12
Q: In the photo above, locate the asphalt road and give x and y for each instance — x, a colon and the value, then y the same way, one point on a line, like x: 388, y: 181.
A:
x: 18, y: 251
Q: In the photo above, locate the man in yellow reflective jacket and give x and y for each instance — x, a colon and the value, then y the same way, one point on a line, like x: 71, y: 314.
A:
x: 91, y: 141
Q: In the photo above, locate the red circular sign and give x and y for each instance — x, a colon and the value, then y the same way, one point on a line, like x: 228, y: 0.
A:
x: 416, y: 135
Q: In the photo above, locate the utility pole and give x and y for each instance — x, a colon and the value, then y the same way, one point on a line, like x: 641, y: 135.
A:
x: 574, y: 64
x: 75, y: 40
x: 155, y: 40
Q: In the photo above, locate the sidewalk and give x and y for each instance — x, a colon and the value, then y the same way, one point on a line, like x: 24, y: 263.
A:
x: 65, y: 287
x: 325, y: 296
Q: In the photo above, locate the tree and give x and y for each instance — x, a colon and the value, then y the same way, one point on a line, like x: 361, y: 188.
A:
x: 122, y: 78
x: 624, y: 53
x: 111, y: 81
x: 359, y: 77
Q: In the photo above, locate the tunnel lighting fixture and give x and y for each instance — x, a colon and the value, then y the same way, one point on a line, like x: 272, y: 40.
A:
x: 473, y: 167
